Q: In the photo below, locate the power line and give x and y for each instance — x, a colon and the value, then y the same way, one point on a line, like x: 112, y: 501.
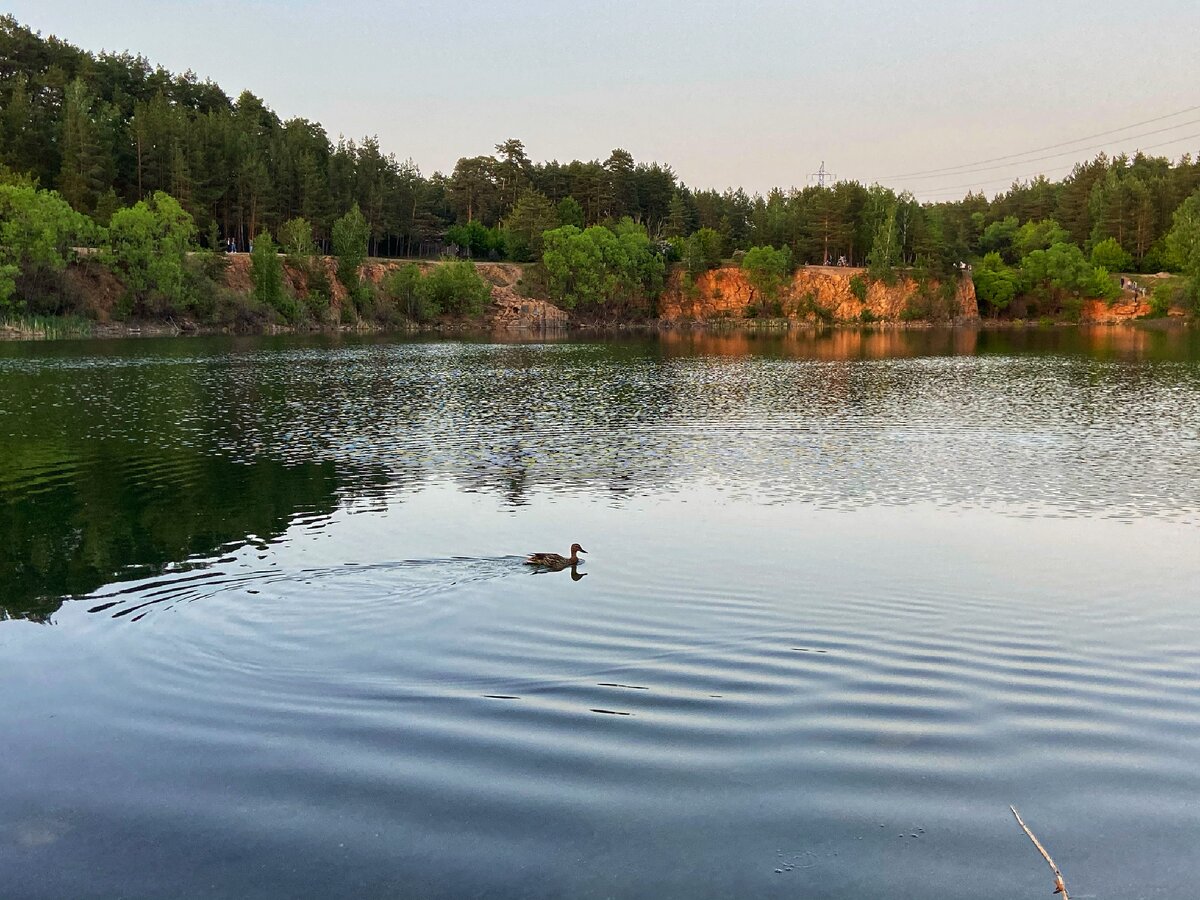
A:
x: 1132, y: 137
x: 1014, y: 178
x: 1047, y: 147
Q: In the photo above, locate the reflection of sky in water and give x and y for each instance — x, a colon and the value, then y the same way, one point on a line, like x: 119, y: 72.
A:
x: 826, y: 591
x: 1084, y: 433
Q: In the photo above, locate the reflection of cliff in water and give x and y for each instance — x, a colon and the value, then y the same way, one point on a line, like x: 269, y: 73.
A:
x: 1150, y: 342
x: 72, y: 523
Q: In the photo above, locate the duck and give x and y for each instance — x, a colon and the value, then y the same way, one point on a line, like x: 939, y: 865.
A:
x: 554, y: 560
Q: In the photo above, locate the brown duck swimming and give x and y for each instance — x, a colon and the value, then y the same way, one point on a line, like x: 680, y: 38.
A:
x: 554, y: 560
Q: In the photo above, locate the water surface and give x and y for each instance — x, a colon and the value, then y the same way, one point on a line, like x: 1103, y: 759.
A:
x: 266, y: 630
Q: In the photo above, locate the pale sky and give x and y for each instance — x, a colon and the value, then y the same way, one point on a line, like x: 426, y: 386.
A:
x: 727, y: 93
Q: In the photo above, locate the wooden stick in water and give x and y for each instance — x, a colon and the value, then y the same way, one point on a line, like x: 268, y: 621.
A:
x: 1059, y: 886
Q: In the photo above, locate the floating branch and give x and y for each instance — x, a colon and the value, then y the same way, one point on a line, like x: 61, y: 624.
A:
x: 1059, y: 886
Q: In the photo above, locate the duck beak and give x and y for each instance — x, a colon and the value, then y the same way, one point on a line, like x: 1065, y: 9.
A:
x: 581, y: 550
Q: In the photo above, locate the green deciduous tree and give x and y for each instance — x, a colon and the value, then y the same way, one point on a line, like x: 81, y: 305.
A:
x: 350, y: 234
x: 1038, y: 236
x: 768, y: 271
x: 147, y: 247
x: 1062, y: 271
x: 885, y: 245
x: 999, y: 237
x: 266, y: 271
x: 296, y: 239
x: 403, y: 287
x: 38, y: 231
x: 479, y: 241
x: 1183, y: 243
x: 600, y: 264
x: 996, y: 284
x: 1109, y: 254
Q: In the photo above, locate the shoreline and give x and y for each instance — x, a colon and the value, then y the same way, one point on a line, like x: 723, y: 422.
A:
x: 49, y: 329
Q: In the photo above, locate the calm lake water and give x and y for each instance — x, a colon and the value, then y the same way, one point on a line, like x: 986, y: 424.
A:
x: 265, y: 629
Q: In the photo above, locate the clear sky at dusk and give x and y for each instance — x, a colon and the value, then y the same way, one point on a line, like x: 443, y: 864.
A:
x: 728, y: 93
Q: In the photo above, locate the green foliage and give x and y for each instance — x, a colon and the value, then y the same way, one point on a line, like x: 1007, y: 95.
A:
x: 102, y: 128
x: 886, y: 246
x: 569, y: 212
x: 318, y: 291
x: 1038, y: 236
x: 1108, y: 254
x: 296, y: 239
x: 767, y: 270
x: 452, y: 287
x: 532, y: 215
x: 455, y: 287
x: 147, y: 248
x: 598, y: 264
x: 702, y: 251
x: 1062, y: 271
x: 1166, y: 295
x: 266, y: 270
x: 1183, y: 243
x: 996, y: 284
x: 38, y: 230
x: 574, y: 263
x: 404, y: 288
x: 858, y: 287
x: 998, y: 237
x: 809, y: 305
x: 479, y: 241
x: 642, y: 269
x: 350, y: 235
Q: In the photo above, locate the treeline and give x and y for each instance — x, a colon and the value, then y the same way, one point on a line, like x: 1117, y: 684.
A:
x: 106, y: 131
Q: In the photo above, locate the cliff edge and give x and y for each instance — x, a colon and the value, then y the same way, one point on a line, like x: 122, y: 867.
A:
x: 816, y: 293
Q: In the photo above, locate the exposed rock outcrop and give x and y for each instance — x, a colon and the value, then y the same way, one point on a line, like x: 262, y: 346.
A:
x: 814, y: 293
x: 509, y: 309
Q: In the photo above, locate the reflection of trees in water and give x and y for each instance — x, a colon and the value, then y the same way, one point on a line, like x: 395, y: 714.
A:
x: 120, y: 512
x: 148, y: 457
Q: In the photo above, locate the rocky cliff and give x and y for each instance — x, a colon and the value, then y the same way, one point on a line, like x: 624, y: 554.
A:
x: 815, y: 293
x: 509, y: 308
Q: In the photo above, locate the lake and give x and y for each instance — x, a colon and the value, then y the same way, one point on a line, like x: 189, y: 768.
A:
x: 266, y: 629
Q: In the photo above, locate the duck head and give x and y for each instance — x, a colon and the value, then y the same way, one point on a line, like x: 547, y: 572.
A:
x: 575, y: 548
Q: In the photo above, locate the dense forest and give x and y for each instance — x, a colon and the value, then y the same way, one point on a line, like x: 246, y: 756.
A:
x: 136, y: 154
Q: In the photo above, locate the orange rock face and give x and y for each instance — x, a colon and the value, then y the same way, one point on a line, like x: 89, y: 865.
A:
x: 1101, y: 312
x: 725, y: 293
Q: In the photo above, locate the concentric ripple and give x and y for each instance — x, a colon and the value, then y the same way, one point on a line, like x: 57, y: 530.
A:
x: 269, y: 631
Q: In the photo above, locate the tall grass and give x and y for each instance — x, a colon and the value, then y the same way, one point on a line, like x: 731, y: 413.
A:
x: 31, y: 327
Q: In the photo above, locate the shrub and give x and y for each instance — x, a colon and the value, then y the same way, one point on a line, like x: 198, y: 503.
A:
x: 456, y: 287
x: 405, y: 288
x: 858, y: 288
x: 266, y: 270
